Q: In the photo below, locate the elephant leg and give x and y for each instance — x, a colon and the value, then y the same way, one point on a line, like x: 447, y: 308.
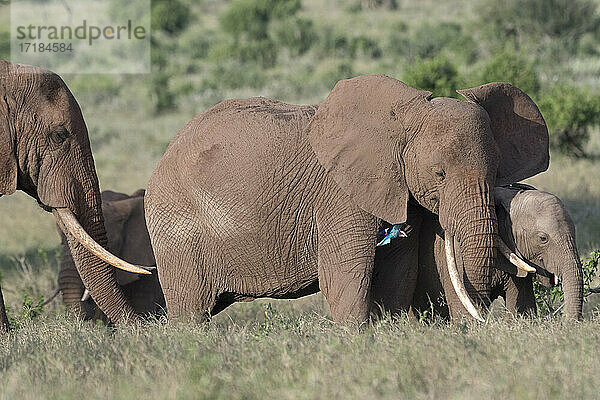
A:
x: 186, y: 295
x: 346, y: 257
x: 519, y: 295
x: 4, y: 325
x: 184, y: 272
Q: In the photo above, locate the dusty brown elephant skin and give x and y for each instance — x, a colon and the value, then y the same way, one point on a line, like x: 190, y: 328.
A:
x: 257, y: 198
x: 128, y: 239
x: 532, y: 222
x: 45, y: 152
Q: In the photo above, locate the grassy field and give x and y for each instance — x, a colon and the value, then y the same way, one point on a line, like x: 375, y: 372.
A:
x: 290, y: 349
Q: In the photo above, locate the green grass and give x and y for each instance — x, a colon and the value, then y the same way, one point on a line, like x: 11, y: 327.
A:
x: 277, y: 351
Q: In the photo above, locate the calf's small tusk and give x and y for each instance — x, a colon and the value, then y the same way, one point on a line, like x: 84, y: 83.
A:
x: 459, y: 288
x: 69, y: 224
x: 51, y: 296
x: 86, y: 295
x: 513, y: 258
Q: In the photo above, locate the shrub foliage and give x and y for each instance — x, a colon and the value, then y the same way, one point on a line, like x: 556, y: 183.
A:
x: 509, y: 67
x: 550, y: 301
x: 438, y: 75
x: 570, y: 114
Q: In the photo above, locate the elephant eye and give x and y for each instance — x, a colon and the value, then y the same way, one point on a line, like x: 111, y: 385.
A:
x: 59, y: 135
x: 543, y: 237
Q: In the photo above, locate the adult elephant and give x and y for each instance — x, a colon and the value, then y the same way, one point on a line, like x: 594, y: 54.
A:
x: 128, y: 239
x: 45, y: 152
x: 257, y: 198
x: 534, y: 224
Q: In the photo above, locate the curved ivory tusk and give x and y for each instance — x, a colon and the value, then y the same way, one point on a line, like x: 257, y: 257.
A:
x: 70, y: 225
x: 513, y: 258
x: 51, y: 296
x: 459, y: 288
x: 86, y: 295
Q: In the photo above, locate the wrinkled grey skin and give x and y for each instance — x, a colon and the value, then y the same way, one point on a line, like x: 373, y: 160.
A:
x: 128, y: 239
x: 45, y: 152
x: 533, y: 222
x: 257, y: 198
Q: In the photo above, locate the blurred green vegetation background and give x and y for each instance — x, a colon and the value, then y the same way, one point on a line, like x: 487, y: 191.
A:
x: 296, y: 50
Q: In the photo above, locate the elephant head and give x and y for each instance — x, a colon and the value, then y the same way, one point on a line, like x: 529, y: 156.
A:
x: 387, y: 145
x: 45, y: 152
x: 128, y: 238
x: 538, y: 227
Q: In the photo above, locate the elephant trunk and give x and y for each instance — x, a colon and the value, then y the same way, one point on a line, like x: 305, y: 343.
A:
x: 477, y: 243
x: 572, y: 281
x: 97, y: 276
x: 71, y: 287
x: 473, y: 223
x: 69, y: 282
x: 459, y: 288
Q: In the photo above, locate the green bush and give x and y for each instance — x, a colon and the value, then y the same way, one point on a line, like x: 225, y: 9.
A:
x: 250, y: 19
x: 570, y: 113
x: 262, y: 51
x: 588, y: 45
x: 295, y: 33
x: 550, y: 300
x: 341, y: 69
x: 248, y: 22
x: 527, y: 22
x: 30, y: 310
x: 162, y: 96
x: 508, y: 67
x: 170, y: 16
x: 429, y: 40
x: 195, y: 46
x: 359, y: 5
x: 398, y: 40
x: 437, y: 75
x: 102, y: 89
x: 333, y: 43
x: 364, y: 46
x: 231, y: 74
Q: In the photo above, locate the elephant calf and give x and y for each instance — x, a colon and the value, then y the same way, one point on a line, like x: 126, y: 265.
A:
x: 128, y: 238
x: 533, y: 223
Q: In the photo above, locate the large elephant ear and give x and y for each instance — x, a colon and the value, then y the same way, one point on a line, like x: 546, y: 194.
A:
x: 503, y: 196
x: 518, y: 127
x: 358, y: 134
x: 109, y: 196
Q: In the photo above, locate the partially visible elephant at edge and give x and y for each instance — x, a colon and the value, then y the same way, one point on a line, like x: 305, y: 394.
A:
x: 534, y: 224
x: 128, y: 239
x: 258, y: 198
x: 45, y: 152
